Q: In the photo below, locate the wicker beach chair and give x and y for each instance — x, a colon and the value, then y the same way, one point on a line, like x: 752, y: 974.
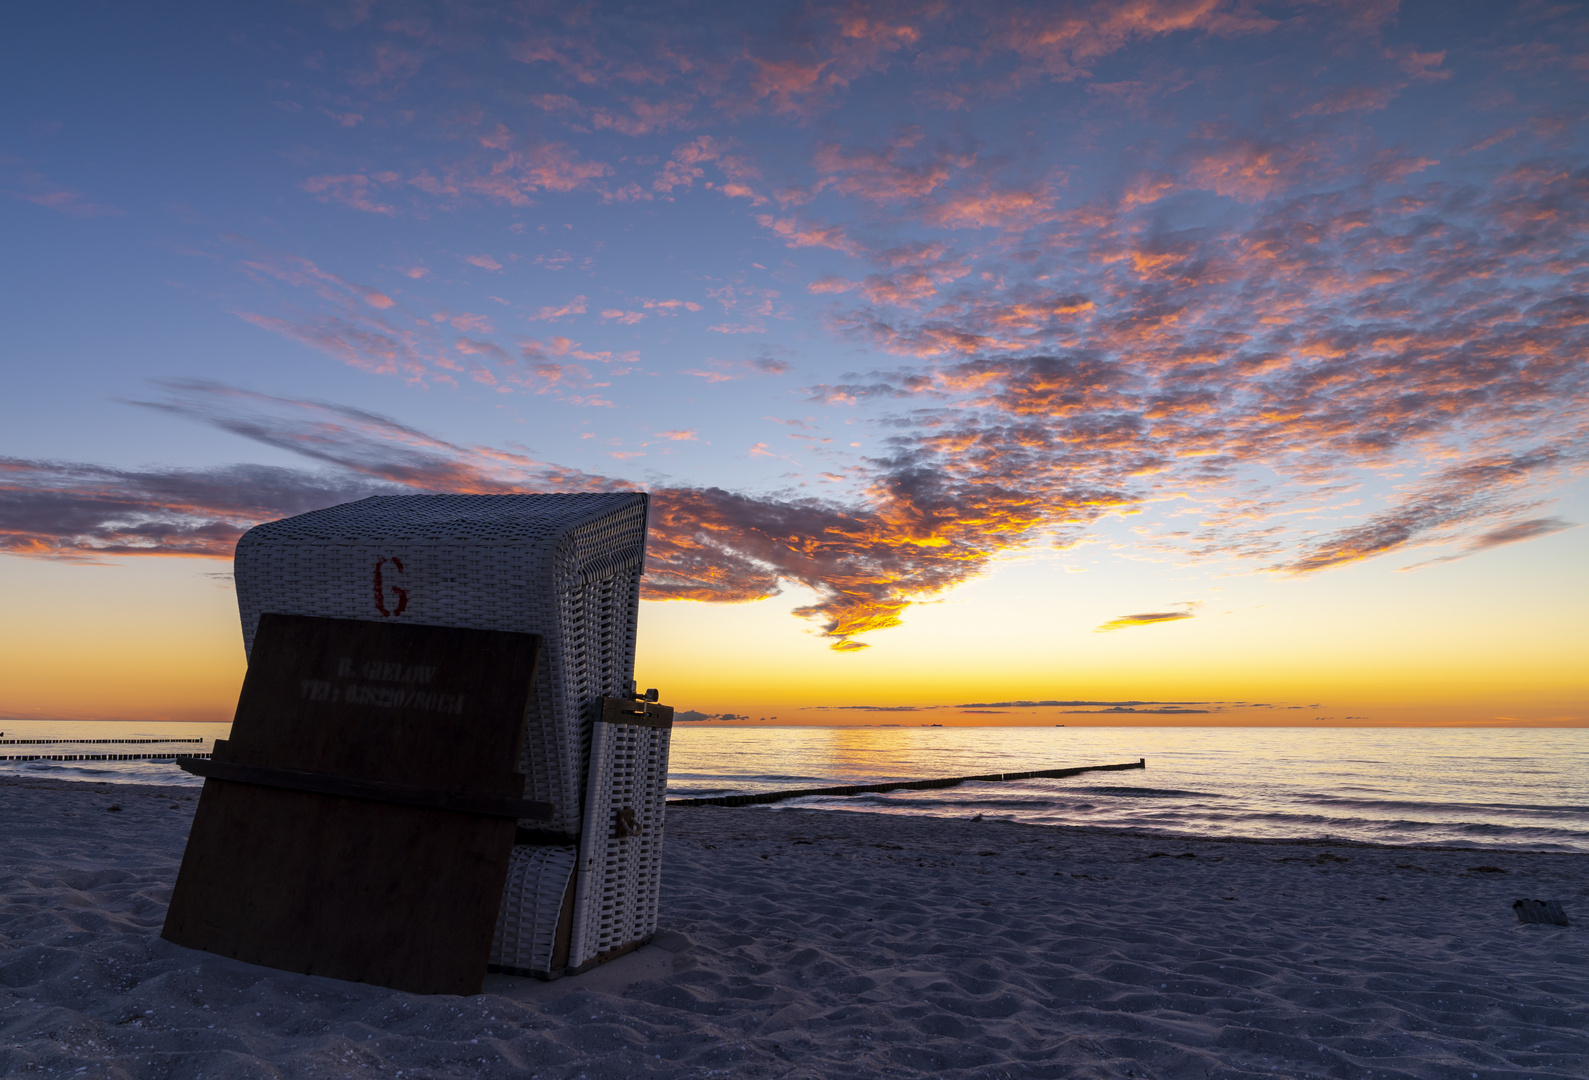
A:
x: 566, y: 567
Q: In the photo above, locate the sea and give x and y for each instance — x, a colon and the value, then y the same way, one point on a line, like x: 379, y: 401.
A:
x: 1488, y: 788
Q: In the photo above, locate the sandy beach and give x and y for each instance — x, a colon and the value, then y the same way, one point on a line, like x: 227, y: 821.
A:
x: 822, y: 944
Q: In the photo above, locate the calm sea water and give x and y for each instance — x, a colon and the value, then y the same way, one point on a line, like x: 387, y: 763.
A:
x: 1483, y: 788
x: 1480, y: 788
x: 84, y: 739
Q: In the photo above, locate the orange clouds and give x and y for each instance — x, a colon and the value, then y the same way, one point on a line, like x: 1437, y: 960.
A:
x: 1234, y: 276
x: 1328, y: 337
x: 1061, y: 41
x: 797, y: 234
x: 866, y: 564
x: 990, y: 207
x: 1246, y: 169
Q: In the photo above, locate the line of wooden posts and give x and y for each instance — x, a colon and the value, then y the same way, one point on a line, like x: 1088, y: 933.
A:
x: 761, y: 797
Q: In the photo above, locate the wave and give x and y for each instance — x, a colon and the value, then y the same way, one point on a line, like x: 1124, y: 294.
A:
x: 881, y: 798
x: 1149, y: 793
x: 1327, y: 799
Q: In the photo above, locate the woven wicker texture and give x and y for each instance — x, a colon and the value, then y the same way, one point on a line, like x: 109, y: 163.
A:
x: 620, y: 880
x: 566, y: 567
x: 526, y: 932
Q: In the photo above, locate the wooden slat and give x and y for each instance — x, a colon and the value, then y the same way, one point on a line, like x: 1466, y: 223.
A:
x: 463, y: 802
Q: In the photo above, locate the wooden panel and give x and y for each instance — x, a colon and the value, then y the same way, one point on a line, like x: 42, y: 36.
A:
x: 399, y: 895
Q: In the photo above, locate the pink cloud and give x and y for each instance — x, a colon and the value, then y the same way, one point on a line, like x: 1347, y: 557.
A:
x: 484, y: 262
x: 829, y: 283
x: 1423, y: 66
x: 988, y: 207
x: 575, y: 306
x: 1062, y: 42
x: 514, y: 176
x: 561, y: 346
x: 643, y: 117
x: 347, y: 119
x: 717, y: 370
x: 690, y: 161
x: 68, y: 202
x: 889, y: 173
x: 798, y: 234
x: 303, y: 273
x: 372, y: 347
x: 1246, y: 169
x: 1352, y: 99
x: 477, y: 324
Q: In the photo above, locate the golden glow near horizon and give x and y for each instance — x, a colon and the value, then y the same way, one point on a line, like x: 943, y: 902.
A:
x: 159, y: 640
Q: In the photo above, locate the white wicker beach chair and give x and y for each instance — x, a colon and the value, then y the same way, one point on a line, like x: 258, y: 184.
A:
x: 565, y: 566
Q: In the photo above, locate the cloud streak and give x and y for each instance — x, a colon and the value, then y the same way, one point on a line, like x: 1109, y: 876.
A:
x: 1151, y: 618
x: 1515, y: 533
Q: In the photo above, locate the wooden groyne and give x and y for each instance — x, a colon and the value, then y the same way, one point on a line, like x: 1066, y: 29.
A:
x: 761, y: 797
x: 99, y: 757
x: 41, y: 742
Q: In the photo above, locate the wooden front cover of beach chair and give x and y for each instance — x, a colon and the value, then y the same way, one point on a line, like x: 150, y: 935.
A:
x: 358, y: 821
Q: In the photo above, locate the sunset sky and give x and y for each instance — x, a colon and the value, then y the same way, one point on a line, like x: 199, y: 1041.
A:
x: 1173, y: 361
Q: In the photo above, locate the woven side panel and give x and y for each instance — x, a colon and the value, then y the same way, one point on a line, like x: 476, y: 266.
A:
x: 620, y: 877
x: 599, y: 620
x: 526, y: 932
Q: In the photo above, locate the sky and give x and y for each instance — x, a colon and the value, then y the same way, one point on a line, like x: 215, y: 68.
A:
x: 1122, y: 362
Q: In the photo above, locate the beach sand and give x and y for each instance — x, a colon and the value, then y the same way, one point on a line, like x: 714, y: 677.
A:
x: 828, y: 944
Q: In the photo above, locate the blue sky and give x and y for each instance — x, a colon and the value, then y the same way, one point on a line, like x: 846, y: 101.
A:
x: 882, y: 301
